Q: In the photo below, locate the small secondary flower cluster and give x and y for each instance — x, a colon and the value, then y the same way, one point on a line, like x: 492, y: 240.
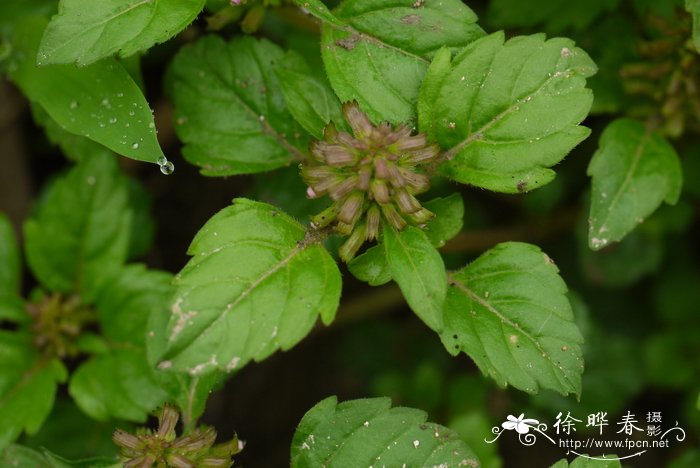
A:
x: 371, y: 175
x: 163, y: 448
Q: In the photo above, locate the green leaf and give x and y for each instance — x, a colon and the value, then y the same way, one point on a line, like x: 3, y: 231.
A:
x: 74, y: 147
x: 585, y: 461
x: 190, y: 393
x: 633, y: 171
x: 27, y: 386
x: 121, y: 383
x: 56, y: 461
x: 229, y: 107
x: 10, y: 262
x: 693, y: 7
x: 506, y: 112
x: 12, y: 309
x: 100, y: 101
x: 310, y: 100
x: 418, y: 269
x: 430, y: 89
x: 509, y: 312
x: 125, y: 302
x: 448, y: 221
x: 80, y: 232
x: 380, y: 54
x: 319, y: 10
x: 18, y: 455
x: 370, y: 432
x: 255, y: 284
x: 371, y: 267
x: 73, y: 434
x: 84, y: 31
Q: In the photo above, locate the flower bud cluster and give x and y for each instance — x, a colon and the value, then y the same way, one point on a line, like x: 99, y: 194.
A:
x: 372, y: 175
x: 57, y: 322
x: 668, y: 74
x: 163, y: 448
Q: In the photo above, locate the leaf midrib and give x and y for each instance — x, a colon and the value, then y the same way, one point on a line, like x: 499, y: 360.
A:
x: 628, y: 177
x: 415, y: 270
x: 478, y: 134
x: 505, y: 320
x: 103, y: 22
x: 265, y: 128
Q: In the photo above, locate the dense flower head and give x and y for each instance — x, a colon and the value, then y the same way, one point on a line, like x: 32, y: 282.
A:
x: 371, y: 175
x: 162, y: 448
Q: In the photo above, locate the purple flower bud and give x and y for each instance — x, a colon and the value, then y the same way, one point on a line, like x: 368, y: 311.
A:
x: 167, y: 422
x: 380, y: 169
x: 380, y: 191
x: 128, y: 441
x: 350, y: 247
x: 374, y: 218
x: 395, y: 176
x: 316, y: 173
x: 360, y: 124
x: 364, y: 178
x: 393, y: 217
x: 400, y: 133
x: 338, y: 156
x: 343, y: 188
x: 180, y: 461
x: 411, y: 143
x: 350, y: 142
x: 420, y: 156
x: 144, y: 461
x: 421, y: 216
x: 417, y: 183
x: 406, y: 202
x: 351, y: 209
x: 324, y: 185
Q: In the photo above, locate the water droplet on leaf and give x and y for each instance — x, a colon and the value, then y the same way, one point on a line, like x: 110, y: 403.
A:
x: 167, y: 168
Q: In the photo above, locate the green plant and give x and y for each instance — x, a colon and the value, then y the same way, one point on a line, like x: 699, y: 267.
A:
x: 417, y: 136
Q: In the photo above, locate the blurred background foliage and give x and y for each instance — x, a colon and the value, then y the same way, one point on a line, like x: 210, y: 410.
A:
x: 637, y: 302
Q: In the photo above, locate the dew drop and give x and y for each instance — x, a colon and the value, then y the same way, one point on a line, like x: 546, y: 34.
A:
x: 74, y: 104
x: 112, y: 120
x: 135, y: 146
x: 162, y: 161
x: 105, y: 103
x: 167, y: 168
